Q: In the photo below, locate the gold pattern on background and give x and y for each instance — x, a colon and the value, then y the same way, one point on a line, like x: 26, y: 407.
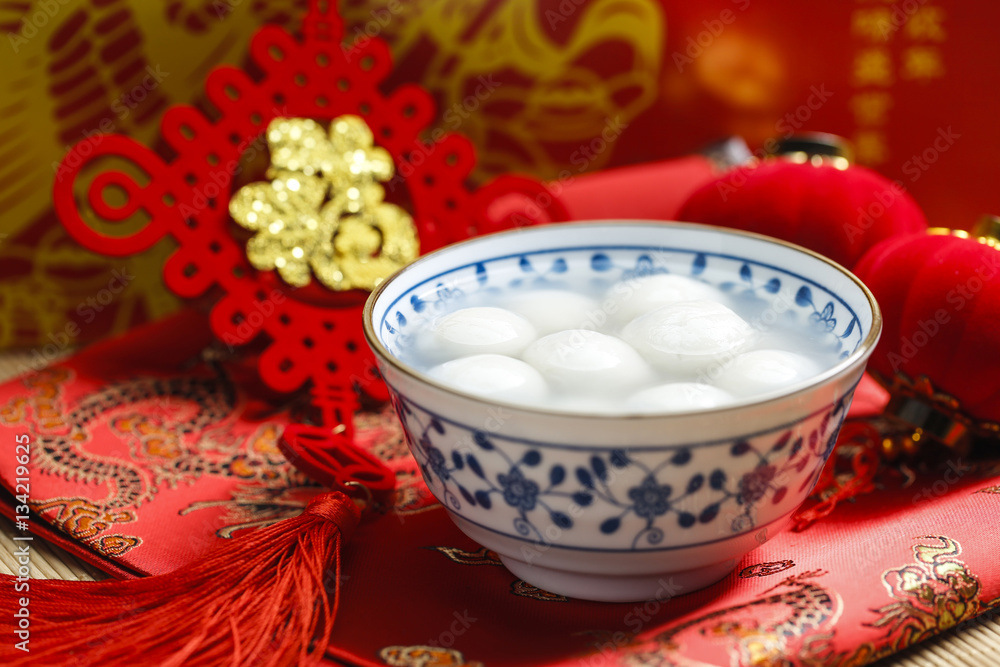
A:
x: 35, y: 305
x: 927, y: 23
x: 873, y: 77
x: 922, y: 63
x: 71, y: 73
x: 552, y: 104
x: 871, y: 107
x: 870, y: 146
x: 873, y: 23
x: 873, y: 66
x: 425, y: 656
x: 323, y: 209
x: 117, y: 65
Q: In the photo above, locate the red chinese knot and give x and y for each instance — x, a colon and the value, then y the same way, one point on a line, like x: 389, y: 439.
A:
x: 315, y: 337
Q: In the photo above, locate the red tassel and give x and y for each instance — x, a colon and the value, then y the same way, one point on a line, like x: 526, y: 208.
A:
x: 261, y: 599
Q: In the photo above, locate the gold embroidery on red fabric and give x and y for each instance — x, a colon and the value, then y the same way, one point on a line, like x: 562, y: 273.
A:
x: 485, y: 556
x: 523, y: 589
x: 425, y: 656
x: 934, y: 593
x: 257, y: 506
x: 182, y: 433
x: 115, y: 545
x: 83, y: 520
x: 758, y: 632
x: 766, y: 569
x: 482, y: 557
x: 15, y: 412
x: 43, y: 402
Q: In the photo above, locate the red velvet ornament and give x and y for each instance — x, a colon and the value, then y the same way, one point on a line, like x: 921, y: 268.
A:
x: 940, y: 299
x: 315, y: 336
x: 838, y: 212
x: 939, y: 293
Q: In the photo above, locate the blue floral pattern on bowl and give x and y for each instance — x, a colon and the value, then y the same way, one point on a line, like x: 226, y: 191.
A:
x: 635, y: 497
x: 608, y: 507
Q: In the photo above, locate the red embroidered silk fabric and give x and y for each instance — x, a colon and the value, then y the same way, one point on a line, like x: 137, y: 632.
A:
x: 144, y: 454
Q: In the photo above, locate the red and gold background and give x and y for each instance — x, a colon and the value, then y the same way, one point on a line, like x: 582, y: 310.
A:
x: 533, y: 85
x: 531, y: 82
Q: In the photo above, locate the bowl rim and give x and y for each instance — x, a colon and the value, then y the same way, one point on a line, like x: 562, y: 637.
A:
x: 864, y: 349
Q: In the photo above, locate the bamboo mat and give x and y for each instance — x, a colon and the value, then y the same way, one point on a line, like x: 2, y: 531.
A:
x: 975, y: 644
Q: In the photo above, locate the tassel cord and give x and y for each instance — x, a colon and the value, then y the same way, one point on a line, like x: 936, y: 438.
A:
x: 260, y: 600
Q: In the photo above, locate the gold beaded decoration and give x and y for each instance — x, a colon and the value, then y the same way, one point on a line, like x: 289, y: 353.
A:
x: 322, y: 213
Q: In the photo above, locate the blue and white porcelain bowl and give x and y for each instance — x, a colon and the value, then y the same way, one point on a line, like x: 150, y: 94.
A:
x: 630, y: 507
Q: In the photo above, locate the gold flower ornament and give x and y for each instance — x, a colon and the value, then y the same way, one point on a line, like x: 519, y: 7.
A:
x: 323, y: 212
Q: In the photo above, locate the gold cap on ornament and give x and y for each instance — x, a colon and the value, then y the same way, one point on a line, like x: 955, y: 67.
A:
x: 985, y: 231
x: 816, y: 148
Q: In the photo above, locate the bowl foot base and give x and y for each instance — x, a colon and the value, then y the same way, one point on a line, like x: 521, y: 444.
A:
x: 619, y: 588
